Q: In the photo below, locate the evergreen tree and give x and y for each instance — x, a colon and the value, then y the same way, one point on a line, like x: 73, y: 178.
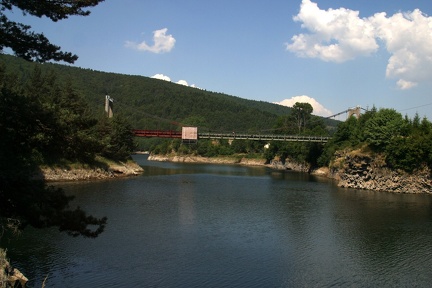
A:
x: 29, y: 124
x: 33, y: 46
x: 23, y: 198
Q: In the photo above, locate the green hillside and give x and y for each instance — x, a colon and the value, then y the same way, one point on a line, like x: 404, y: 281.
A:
x: 156, y: 104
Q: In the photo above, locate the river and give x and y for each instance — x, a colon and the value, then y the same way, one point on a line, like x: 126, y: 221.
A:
x: 202, y: 225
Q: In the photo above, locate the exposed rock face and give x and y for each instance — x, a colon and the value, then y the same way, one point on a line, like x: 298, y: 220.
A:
x: 351, y: 169
x: 213, y: 160
x: 362, y: 171
x: 290, y: 164
x: 114, y: 170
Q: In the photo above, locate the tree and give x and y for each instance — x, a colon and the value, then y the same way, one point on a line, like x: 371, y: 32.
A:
x: 24, y: 122
x: 116, y: 137
x: 302, y: 113
x: 27, y: 200
x: 382, y: 127
x: 33, y: 46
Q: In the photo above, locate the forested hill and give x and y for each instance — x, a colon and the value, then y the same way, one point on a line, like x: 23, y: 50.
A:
x: 156, y: 104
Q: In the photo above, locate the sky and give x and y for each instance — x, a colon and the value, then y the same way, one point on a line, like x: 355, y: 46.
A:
x: 334, y: 54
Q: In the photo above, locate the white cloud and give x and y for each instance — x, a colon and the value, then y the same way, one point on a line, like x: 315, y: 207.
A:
x: 182, y: 82
x: 162, y: 43
x: 335, y: 35
x: 404, y: 85
x: 408, y: 37
x: 161, y: 77
x: 339, y: 35
x: 318, y: 109
x: 167, y: 78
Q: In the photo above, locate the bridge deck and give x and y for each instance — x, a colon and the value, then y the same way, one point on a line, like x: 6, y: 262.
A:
x: 232, y: 136
x: 260, y: 137
x: 158, y: 133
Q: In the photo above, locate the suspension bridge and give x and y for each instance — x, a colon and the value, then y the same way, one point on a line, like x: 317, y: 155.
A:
x: 191, y: 134
x: 229, y: 136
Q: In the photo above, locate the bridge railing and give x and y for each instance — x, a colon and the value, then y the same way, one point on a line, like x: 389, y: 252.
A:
x: 269, y: 137
x: 158, y: 133
x: 232, y: 136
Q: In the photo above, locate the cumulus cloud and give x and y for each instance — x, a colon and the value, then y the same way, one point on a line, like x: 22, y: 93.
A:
x: 335, y: 35
x: 408, y: 37
x: 318, y: 109
x: 339, y: 35
x: 403, y: 85
x: 161, y: 77
x: 180, y: 82
x: 162, y: 43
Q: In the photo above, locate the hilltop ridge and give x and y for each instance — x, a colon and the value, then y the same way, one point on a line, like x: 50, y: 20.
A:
x: 157, y: 104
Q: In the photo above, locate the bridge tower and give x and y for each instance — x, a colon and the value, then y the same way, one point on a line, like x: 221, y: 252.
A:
x: 109, y: 103
x: 354, y: 111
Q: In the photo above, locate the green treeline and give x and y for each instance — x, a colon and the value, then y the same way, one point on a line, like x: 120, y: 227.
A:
x: 405, y: 143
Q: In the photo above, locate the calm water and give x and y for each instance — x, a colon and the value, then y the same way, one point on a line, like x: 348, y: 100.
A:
x: 185, y: 225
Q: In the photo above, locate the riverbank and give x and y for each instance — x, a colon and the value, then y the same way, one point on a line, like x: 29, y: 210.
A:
x: 350, y: 169
x: 104, y: 169
x: 360, y: 170
x: 276, y: 164
x: 210, y: 160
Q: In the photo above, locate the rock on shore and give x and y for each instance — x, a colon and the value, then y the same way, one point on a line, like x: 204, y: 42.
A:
x: 276, y: 164
x: 113, y: 170
x: 354, y: 169
x: 351, y: 169
x: 212, y: 160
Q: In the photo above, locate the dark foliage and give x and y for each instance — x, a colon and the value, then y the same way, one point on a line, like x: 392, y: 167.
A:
x: 406, y: 144
x: 27, y: 137
x: 34, y: 46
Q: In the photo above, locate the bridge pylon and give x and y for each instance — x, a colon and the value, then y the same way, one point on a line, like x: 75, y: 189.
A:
x: 109, y: 103
x: 356, y: 111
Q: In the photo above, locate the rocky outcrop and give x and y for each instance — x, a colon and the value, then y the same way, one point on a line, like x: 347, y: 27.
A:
x: 212, y: 160
x: 354, y: 169
x: 287, y: 164
x: 112, y: 170
x: 351, y: 169
x: 290, y: 164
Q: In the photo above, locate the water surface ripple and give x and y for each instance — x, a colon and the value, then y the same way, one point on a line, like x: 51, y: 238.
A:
x: 199, y: 225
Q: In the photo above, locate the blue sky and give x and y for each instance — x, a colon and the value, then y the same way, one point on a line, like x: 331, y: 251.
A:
x: 336, y: 54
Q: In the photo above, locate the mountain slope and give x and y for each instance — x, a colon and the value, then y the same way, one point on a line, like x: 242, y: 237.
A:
x: 156, y: 104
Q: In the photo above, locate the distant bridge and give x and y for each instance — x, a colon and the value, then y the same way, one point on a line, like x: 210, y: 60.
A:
x: 229, y: 136
x: 190, y: 134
